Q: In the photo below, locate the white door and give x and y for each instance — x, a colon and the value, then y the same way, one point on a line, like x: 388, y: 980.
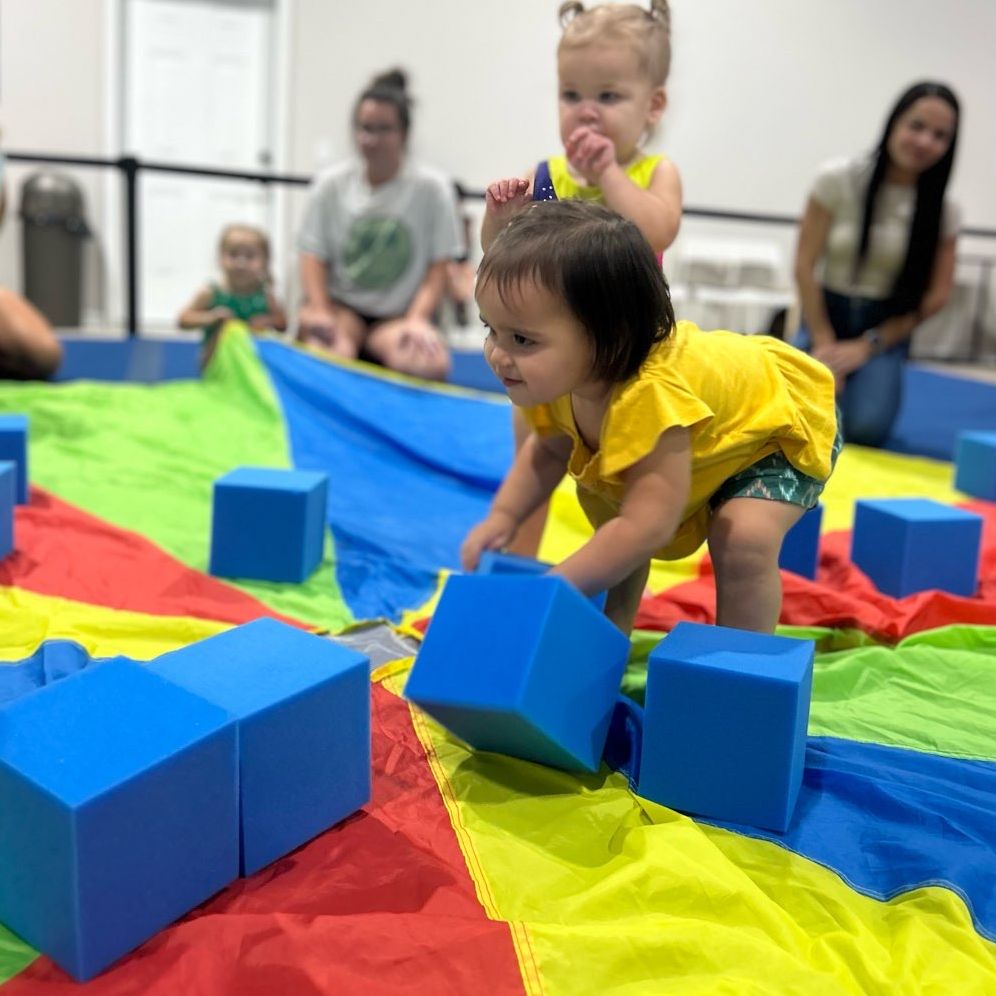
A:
x: 197, y: 92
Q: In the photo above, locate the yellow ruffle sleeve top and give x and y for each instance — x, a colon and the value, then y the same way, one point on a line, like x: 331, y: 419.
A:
x: 743, y: 397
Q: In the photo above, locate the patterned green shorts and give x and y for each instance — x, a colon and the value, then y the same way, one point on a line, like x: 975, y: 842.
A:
x: 774, y: 478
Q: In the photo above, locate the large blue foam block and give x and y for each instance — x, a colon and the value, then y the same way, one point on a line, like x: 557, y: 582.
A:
x: 497, y: 562
x: 118, y: 812
x: 268, y: 524
x: 906, y: 545
x: 8, y: 499
x: 14, y: 446
x: 724, y: 726
x: 975, y: 464
x: 303, y: 708
x: 800, y: 551
x: 525, y: 666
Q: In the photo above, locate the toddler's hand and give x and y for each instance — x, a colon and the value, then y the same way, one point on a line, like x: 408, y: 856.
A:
x: 590, y: 153
x: 221, y: 314
x: 495, y: 532
x: 506, y: 198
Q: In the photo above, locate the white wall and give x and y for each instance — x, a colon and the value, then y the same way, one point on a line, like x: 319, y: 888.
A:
x: 760, y: 92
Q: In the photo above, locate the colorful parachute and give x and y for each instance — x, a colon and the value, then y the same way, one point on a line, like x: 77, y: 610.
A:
x: 476, y: 872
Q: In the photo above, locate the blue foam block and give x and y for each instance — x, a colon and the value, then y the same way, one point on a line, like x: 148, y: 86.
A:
x: 525, y: 666
x: 268, y: 524
x: 975, y: 464
x: 800, y: 551
x: 496, y: 562
x: 303, y: 708
x: 119, y: 803
x: 724, y: 726
x: 906, y: 545
x: 14, y: 446
x: 8, y: 498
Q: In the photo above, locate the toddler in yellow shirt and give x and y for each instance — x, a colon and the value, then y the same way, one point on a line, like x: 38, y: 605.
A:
x: 673, y: 435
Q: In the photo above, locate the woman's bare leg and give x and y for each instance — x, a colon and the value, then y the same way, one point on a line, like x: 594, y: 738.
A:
x: 28, y: 347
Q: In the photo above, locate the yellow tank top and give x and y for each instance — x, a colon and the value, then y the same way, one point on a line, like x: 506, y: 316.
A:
x: 641, y: 172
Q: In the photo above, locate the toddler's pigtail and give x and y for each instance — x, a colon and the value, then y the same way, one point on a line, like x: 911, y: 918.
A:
x: 568, y: 11
x: 660, y: 10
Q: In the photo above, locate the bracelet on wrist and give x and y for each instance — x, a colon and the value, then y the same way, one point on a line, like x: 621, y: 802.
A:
x: 875, y: 342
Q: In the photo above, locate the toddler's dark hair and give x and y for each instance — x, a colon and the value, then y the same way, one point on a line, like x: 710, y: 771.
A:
x: 603, y: 269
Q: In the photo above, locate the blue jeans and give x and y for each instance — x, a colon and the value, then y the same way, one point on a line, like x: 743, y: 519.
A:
x: 869, y: 402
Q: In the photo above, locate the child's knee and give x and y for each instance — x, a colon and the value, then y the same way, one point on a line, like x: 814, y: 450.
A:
x: 752, y: 559
x: 741, y: 548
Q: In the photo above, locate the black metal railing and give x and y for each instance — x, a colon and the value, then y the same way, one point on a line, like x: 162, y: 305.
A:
x: 131, y: 166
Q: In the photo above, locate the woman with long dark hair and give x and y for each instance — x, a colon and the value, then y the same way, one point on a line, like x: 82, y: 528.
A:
x: 876, y: 256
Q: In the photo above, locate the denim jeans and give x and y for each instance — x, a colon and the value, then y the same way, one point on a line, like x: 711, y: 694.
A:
x: 869, y: 402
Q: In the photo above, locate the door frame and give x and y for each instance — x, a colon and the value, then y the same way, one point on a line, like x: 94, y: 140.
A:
x: 115, y: 41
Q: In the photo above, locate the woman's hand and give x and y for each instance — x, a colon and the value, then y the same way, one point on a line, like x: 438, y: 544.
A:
x: 418, y: 349
x: 495, y: 532
x: 419, y: 338
x: 317, y: 324
x: 844, y: 356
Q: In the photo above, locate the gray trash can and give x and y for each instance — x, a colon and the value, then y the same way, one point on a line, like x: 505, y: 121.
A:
x: 54, y: 227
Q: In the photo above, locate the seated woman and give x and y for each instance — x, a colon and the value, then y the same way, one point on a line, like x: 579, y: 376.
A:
x: 29, y: 349
x: 876, y: 257
x: 377, y: 237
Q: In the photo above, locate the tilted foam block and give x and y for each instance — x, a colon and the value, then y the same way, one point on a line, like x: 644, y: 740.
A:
x: 724, y: 726
x: 495, y: 562
x: 975, y: 464
x: 268, y: 524
x: 118, y: 811
x: 906, y: 545
x: 14, y: 446
x: 303, y: 708
x: 800, y: 551
x: 525, y: 666
x: 8, y: 499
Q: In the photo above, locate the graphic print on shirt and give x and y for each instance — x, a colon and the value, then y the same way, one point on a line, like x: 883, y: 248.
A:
x: 377, y: 252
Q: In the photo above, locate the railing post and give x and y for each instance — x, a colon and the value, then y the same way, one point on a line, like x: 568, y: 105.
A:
x: 978, y: 337
x: 129, y: 165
